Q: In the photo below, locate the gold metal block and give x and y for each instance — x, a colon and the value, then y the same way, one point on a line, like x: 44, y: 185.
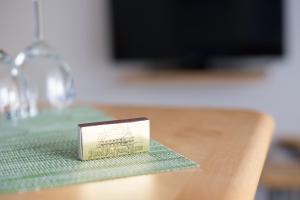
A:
x: 113, y: 138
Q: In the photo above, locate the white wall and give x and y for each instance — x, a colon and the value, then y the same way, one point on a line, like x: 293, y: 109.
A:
x: 78, y: 29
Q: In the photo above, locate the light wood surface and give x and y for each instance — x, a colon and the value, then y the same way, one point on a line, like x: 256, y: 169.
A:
x: 229, y: 145
x: 186, y: 77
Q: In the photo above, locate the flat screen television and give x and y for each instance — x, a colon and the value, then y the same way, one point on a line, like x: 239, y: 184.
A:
x: 192, y: 31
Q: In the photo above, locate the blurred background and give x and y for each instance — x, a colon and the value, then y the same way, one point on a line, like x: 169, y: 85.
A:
x: 233, y: 54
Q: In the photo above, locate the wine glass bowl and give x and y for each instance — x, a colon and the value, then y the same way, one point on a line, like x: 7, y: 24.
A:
x: 14, y: 103
x: 49, y: 76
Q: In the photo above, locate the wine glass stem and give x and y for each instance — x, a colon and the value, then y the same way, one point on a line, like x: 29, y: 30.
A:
x: 38, y: 20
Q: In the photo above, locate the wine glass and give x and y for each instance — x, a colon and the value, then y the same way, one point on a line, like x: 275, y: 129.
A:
x: 14, y: 103
x: 48, y: 75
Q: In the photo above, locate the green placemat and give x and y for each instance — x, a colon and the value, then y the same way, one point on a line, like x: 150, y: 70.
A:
x: 41, y: 152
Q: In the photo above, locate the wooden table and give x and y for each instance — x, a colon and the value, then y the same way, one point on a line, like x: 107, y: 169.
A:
x: 282, y: 170
x: 282, y: 176
x: 230, y: 146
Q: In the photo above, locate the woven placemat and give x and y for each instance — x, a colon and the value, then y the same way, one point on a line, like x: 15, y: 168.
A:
x: 41, y: 152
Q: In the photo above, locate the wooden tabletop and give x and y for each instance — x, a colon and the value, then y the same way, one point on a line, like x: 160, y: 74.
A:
x: 229, y: 145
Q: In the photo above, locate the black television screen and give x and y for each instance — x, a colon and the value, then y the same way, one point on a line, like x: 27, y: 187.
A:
x: 196, y: 29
